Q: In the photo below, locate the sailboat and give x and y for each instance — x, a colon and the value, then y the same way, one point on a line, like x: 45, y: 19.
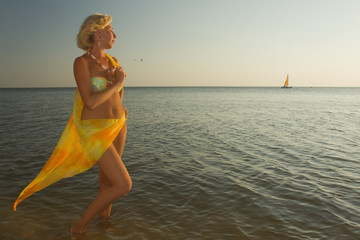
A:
x: 286, y: 84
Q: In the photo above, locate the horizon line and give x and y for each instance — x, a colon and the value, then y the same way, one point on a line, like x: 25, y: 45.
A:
x: 197, y: 87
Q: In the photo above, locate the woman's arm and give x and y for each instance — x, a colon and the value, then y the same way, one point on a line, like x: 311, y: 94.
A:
x: 90, y: 98
x: 122, y: 90
x: 121, y: 94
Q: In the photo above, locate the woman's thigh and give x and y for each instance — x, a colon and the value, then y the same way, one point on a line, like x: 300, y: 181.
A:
x: 119, y: 144
x: 113, y: 168
x: 119, y: 141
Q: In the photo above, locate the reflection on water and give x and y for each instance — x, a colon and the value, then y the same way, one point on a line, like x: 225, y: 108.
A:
x: 206, y: 163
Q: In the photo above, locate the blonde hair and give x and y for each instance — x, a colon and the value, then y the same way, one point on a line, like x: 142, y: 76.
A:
x: 90, y: 25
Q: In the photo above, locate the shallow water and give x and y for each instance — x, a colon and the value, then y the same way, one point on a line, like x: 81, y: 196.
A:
x: 206, y: 163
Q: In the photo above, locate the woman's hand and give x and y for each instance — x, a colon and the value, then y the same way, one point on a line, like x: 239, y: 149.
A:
x: 126, y: 112
x: 120, y: 75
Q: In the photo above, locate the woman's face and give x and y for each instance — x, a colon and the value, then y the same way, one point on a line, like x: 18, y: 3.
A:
x: 107, y: 37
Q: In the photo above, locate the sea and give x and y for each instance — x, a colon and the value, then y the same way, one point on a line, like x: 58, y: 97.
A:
x: 207, y: 163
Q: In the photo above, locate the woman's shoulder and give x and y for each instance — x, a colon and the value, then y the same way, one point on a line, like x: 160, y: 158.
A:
x: 81, y: 70
x: 81, y: 61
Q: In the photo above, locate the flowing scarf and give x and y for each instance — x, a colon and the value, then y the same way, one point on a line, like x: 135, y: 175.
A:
x: 80, y: 146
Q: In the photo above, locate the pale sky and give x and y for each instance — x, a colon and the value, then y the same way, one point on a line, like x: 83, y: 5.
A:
x: 188, y: 42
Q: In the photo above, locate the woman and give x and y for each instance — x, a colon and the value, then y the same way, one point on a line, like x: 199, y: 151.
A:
x: 96, y: 130
x: 92, y: 70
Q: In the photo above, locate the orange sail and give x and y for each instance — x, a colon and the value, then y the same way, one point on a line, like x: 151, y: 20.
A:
x: 286, y: 84
x: 80, y: 146
x: 287, y: 81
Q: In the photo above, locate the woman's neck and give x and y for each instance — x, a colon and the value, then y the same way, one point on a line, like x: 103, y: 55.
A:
x: 98, y: 52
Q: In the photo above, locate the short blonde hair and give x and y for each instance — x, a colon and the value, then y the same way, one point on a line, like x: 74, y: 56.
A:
x: 90, y: 25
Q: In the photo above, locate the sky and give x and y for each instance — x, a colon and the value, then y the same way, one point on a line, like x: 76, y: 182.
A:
x: 188, y: 42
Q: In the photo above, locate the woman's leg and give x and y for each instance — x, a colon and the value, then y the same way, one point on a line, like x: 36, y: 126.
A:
x: 114, y: 169
x: 119, y: 142
x: 104, y: 182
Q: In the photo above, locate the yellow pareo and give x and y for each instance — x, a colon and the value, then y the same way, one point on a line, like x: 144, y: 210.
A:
x: 80, y: 146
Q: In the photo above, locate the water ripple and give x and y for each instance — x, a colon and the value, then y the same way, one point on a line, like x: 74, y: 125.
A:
x: 206, y: 163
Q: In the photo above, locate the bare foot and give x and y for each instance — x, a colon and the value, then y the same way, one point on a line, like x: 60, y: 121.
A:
x: 78, y: 230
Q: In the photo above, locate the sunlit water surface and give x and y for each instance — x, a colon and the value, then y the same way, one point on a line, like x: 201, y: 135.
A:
x: 206, y: 163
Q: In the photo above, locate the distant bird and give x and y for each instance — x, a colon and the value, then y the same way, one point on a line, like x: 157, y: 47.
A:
x: 141, y: 60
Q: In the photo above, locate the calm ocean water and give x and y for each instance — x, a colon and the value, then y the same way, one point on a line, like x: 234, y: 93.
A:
x: 206, y: 163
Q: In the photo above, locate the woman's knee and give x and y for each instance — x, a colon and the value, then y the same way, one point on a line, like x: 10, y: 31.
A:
x: 123, y: 188
x: 128, y: 186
